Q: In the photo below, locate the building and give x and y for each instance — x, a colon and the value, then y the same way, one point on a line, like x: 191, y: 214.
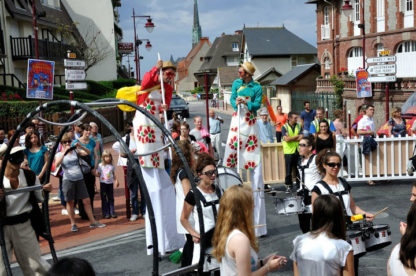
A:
x: 379, y: 26
x: 275, y: 47
x: 196, y: 28
x: 186, y: 68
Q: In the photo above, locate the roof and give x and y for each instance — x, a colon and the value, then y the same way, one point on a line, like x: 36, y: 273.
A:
x: 183, y: 64
x: 227, y: 75
x: 275, y: 41
x: 294, y: 74
x: 221, y: 48
x: 267, y: 72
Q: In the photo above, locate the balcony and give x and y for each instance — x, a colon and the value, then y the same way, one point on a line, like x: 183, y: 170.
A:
x: 325, y: 32
x: 24, y: 48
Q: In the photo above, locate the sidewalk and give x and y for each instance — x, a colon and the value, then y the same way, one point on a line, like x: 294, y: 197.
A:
x: 60, y: 225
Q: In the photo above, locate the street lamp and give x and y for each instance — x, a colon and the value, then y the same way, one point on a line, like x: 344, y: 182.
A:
x: 149, y: 26
x: 148, y: 47
x: 347, y: 8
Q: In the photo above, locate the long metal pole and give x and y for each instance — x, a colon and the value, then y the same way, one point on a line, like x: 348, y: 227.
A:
x: 387, y: 101
x: 363, y: 20
x: 35, y: 29
x: 206, y: 99
x: 135, y: 49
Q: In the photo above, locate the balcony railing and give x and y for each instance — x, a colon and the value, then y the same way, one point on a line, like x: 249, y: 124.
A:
x: 24, y: 48
x: 325, y: 32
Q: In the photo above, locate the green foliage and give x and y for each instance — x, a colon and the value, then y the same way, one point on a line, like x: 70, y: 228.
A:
x: 197, y: 90
x: 338, y: 90
x: 119, y: 83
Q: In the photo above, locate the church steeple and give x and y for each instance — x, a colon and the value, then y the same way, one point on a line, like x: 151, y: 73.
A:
x: 196, y: 29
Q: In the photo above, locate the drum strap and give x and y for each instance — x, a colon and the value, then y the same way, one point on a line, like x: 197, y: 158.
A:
x: 302, y: 168
x: 337, y: 194
x: 211, y: 203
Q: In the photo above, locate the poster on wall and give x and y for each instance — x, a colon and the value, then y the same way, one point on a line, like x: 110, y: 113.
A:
x: 362, y: 84
x: 40, y: 77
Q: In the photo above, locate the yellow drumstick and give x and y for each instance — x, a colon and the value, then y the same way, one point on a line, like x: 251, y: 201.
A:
x: 259, y: 225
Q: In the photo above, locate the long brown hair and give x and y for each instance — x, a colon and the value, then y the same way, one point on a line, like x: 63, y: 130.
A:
x: 328, y: 217
x: 177, y: 164
x: 407, y: 253
x: 323, y: 158
x: 236, y: 212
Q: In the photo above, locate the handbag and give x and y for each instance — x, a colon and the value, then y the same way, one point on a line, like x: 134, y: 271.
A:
x: 85, y: 163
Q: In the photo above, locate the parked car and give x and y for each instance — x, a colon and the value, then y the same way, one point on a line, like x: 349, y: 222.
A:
x: 178, y: 105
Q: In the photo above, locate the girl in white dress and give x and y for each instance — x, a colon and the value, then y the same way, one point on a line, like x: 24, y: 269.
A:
x: 234, y: 241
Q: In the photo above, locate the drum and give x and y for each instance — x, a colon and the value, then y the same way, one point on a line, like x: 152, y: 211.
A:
x: 308, y: 209
x: 228, y: 178
x: 289, y: 205
x: 377, y: 236
x: 355, y: 238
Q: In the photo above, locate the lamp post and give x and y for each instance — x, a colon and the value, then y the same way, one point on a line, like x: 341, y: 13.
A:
x: 148, y: 47
x: 348, y: 8
x: 149, y: 26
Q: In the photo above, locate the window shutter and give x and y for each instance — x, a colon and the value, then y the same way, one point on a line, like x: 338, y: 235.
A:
x: 402, y: 5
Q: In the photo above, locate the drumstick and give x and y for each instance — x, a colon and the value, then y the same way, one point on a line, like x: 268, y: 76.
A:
x: 259, y: 225
x: 381, y: 211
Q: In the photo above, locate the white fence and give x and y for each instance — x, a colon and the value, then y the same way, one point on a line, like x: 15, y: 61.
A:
x: 387, y: 162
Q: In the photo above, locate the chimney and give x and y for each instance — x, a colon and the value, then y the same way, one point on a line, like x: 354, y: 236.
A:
x: 238, y: 32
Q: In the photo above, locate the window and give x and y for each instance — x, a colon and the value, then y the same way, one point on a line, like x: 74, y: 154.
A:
x: 380, y: 16
x: 357, y: 10
x: 355, y: 59
x: 327, y: 64
x: 294, y: 61
x: 326, y: 15
x: 407, y: 47
x: 201, y: 59
x: 406, y: 60
x: 232, y: 61
x: 380, y: 48
x: 355, y: 52
x: 409, y: 5
x: 235, y: 47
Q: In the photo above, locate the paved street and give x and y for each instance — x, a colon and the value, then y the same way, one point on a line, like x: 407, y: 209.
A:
x: 125, y: 254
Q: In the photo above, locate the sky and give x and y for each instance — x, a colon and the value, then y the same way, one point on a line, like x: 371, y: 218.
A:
x: 173, y: 21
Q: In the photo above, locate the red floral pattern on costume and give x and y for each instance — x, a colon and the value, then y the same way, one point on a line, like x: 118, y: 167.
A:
x: 250, y: 118
x: 252, y: 143
x: 146, y: 134
x: 250, y: 165
x: 234, y: 114
x: 155, y: 160
x: 233, y: 143
x: 150, y: 106
x: 141, y: 160
x: 232, y: 160
x: 234, y: 129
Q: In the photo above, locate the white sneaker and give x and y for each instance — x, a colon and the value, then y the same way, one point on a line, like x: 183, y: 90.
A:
x: 133, y: 217
x: 64, y: 212
x: 76, y: 211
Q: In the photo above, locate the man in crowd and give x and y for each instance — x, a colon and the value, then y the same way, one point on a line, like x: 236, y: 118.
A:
x: 320, y: 115
x: 291, y: 133
x: 307, y: 116
x: 18, y: 231
x: 265, y: 127
x: 201, y: 134
x: 30, y: 127
x: 361, y: 112
x: 366, y: 124
x: 215, y: 133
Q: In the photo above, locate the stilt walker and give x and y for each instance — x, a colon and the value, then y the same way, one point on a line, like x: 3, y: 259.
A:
x: 148, y: 139
x: 242, y: 150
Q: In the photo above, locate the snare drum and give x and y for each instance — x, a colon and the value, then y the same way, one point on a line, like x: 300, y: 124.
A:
x: 227, y: 178
x: 289, y: 205
x: 355, y: 238
x: 377, y: 236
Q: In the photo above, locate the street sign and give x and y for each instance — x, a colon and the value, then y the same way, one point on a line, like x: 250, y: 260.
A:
x: 74, y: 63
x: 382, y: 79
x: 381, y: 59
x: 385, y: 53
x: 76, y: 86
x: 382, y: 69
x: 125, y: 48
x: 71, y: 55
x: 74, y: 75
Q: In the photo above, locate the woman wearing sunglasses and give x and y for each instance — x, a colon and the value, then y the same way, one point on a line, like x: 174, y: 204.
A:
x: 210, y: 196
x: 329, y: 164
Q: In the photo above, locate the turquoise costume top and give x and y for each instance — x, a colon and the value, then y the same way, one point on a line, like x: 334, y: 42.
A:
x: 252, y: 89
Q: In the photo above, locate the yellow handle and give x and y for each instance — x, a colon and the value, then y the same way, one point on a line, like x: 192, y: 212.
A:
x: 357, y: 217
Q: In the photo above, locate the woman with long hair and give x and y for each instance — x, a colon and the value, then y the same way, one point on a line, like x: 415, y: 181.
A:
x: 402, y: 259
x: 235, y: 244
x: 324, y: 251
x: 209, y: 194
x: 182, y: 184
x: 396, y: 124
x: 36, y: 154
x: 324, y: 138
x: 184, y: 133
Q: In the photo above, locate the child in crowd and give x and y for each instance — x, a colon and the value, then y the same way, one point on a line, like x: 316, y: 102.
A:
x: 107, y: 177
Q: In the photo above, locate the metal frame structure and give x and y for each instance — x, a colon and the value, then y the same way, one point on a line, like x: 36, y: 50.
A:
x: 79, y: 115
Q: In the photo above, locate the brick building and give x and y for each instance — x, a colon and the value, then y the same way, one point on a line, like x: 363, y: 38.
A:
x: 381, y: 25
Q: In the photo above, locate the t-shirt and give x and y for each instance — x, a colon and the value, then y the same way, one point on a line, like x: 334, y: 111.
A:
x: 91, y: 146
x: 70, y: 166
x: 280, y: 121
x: 319, y: 255
x: 106, y: 173
x: 320, y: 190
x: 366, y: 123
x: 307, y: 118
x: 36, y: 159
x: 312, y: 175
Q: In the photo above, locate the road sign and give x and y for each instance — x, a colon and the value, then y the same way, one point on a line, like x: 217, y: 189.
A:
x: 381, y: 59
x: 125, y: 48
x: 74, y: 75
x: 385, y: 53
x: 74, y: 63
x: 382, y: 79
x: 76, y: 86
x: 382, y: 69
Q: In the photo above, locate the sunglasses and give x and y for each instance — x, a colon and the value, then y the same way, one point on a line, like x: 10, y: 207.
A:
x: 210, y: 173
x: 303, y: 145
x: 170, y: 74
x: 66, y: 142
x: 333, y: 165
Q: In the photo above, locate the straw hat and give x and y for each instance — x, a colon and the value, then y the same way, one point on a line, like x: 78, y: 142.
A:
x: 264, y: 111
x: 168, y: 64
x: 248, y: 67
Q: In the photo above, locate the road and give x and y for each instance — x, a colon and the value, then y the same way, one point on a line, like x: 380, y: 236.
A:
x: 126, y: 254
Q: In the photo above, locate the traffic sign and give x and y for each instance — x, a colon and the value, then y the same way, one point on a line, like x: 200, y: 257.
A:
x: 381, y: 59
x: 76, y: 86
x: 385, y: 53
x: 382, y: 79
x: 74, y: 75
x: 74, y: 63
x: 382, y: 69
